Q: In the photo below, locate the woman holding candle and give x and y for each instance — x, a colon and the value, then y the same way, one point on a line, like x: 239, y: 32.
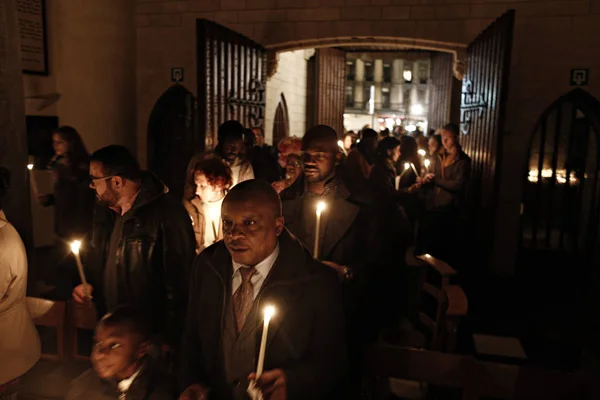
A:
x: 212, y: 178
x: 72, y: 198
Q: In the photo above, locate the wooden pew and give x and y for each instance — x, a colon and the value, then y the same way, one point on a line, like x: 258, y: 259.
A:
x: 49, y: 314
x: 476, y: 379
x: 80, y: 316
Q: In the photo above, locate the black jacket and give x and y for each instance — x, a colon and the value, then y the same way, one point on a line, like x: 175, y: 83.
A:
x: 150, y: 384
x: 155, y: 252
x: 306, y: 338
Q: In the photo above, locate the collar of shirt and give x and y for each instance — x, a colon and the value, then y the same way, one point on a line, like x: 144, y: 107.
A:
x: 263, y: 268
x: 125, y: 384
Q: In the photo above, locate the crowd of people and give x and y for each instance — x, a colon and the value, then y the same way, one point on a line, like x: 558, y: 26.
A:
x: 316, y: 227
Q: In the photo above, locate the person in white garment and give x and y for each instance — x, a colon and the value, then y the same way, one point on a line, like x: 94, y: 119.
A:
x: 19, y: 341
x: 212, y: 179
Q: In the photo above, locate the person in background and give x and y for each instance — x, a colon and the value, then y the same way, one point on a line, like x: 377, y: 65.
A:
x: 434, y: 146
x: 445, y: 206
x: 258, y: 264
x: 19, y: 342
x: 357, y: 167
x: 293, y: 171
x: 383, y: 175
x: 409, y: 199
x: 72, y: 199
x: 121, y: 367
x: 212, y: 178
x: 232, y: 148
x: 143, y: 244
x: 348, y: 142
x: 264, y: 159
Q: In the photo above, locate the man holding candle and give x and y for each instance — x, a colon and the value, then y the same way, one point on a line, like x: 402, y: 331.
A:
x: 142, y: 246
x: 259, y: 264
x: 349, y: 233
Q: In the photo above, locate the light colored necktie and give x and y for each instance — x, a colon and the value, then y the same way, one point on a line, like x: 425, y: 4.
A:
x: 244, y: 297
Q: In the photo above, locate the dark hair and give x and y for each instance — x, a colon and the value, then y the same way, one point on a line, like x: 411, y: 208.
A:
x: 409, y: 149
x: 217, y: 172
x: 368, y: 133
x: 255, y: 188
x: 76, y: 151
x: 452, y: 128
x: 131, y: 318
x: 388, y: 143
x: 323, y: 136
x: 118, y: 161
x: 4, y: 184
x: 230, y: 131
x: 438, y: 139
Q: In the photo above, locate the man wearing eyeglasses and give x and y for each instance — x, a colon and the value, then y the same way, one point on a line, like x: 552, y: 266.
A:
x: 142, y: 244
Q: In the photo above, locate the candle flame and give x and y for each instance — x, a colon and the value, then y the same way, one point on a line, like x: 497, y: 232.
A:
x: 75, y: 246
x: 214, y: 214
x: 406, y: 165
x: 321, y: 207
x: 422, y: 152
x: 30, y: 166
x: 269, y: 311
x: 427, y: 163
x: 340, y: 144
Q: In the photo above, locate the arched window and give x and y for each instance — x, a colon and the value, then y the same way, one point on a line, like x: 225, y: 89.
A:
x: 281, y: 127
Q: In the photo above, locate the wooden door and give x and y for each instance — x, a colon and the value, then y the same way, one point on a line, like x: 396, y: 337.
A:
x: 330, y: 70
x: 232, y: 72
x: 444, y: 92
x: 482, y: 116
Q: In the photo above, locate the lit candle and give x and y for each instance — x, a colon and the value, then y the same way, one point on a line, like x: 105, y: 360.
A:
x: 269, y: 312
x: 406, y: 166
x: 421, y: 152
x: 75, y: 247
x: 32, y: 179
x: 214, y: 217
x: 414, y: 169
x: 427, y: 163
x: 341, y: 144
x: 320, y: 209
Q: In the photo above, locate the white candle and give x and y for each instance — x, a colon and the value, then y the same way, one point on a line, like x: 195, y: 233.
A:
x: 214, y: 217
x: 32, y: 179
x: 427, y: 163
x: 75, y: 246
x: 320, y: 208
x: 269, y: 312
x: 414, y: 169
x: 406, y: 166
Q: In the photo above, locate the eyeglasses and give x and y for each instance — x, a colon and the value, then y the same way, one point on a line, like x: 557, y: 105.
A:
x: 93, y: 179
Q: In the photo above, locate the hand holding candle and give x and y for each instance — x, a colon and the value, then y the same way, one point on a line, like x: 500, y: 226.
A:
x: 32, y: 179
x: 75, y: 247
x: 320, y: 208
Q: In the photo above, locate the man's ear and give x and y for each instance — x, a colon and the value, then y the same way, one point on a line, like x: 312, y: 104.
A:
x: 338, y: 158
x: 118, y: 182
x: 279, y: 226
x: 143, y: 349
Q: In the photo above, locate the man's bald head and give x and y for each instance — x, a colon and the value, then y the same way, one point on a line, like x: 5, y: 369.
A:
x: 256, y: 191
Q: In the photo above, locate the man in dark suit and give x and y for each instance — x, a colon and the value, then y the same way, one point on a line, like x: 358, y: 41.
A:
x: 257, y: 264
x: 349, y: 234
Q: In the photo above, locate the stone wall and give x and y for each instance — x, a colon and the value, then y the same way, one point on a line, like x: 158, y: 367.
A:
x: 551, y: 37
x: 289, y: 80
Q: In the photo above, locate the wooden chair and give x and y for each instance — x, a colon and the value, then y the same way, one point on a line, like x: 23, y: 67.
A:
x: 50, y: 314
x: 445, y: 271
x: 80, y: 316
x: 476, y: 379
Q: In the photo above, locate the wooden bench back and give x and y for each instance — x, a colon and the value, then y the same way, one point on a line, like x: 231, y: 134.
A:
x: 49, y: 314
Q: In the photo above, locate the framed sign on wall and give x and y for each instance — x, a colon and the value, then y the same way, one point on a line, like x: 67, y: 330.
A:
x: 32, y: 29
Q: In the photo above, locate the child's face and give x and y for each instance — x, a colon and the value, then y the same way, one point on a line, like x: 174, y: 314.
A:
x: 117, y: 352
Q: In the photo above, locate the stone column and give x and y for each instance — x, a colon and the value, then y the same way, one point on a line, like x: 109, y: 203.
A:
x: 378, y: 79
x: 359, y: 79
x: 397, y: 83
x: 13, y: 136
x: 414, y: 95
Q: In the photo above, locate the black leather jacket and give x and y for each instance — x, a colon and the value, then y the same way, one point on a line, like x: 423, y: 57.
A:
x: 155, y: 253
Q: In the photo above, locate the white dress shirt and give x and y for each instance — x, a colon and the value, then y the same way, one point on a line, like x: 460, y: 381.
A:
x: 125, y: 384
x: 258, y: 279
